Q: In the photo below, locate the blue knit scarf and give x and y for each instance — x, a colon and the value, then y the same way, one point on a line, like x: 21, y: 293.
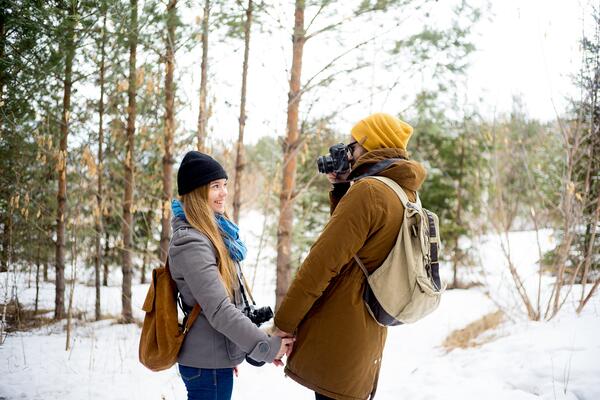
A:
x: 229, y: 231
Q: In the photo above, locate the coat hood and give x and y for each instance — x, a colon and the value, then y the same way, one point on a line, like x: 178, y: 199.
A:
x: 407, y: 173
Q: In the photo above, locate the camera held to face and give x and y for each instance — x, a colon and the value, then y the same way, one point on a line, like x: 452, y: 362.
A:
x: 258, y: 315
x: 337, y: 161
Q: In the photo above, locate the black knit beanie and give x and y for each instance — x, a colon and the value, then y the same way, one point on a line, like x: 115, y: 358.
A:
x: 197, y: 169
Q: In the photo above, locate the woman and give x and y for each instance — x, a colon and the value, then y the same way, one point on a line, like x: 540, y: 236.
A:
x: 204, y: 256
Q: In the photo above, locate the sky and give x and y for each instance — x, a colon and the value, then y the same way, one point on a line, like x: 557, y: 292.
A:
x: 530, y: 48
x: 527, y: 48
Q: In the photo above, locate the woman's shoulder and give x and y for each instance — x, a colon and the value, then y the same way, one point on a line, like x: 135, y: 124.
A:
x: 184, y: 233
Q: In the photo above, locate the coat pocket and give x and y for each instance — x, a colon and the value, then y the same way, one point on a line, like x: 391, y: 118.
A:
x: 234, y: 352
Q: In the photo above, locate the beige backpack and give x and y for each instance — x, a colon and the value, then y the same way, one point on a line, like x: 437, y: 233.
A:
x: 406, y: 287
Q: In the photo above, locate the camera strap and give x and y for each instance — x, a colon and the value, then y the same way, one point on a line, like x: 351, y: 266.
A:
x: 243, y: 283
x: 377, y: 168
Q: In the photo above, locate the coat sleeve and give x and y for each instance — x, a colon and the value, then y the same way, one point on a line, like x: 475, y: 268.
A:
x: 352, y: 222
x: 335, y: 195
x: 194, y: 257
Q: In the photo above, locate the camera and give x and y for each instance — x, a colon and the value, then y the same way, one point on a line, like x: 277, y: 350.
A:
x: 258, y: 315
x: 337, y: 160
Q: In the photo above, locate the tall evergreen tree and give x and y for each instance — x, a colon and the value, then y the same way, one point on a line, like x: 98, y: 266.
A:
x: 129, y: 165
x: 203, y: 110
x: 168, y: 160
x: 290, y: 147
x: 69, y: 51
x: 239, y: 158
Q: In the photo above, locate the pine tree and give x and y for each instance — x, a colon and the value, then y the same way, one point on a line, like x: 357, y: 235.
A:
x: 203, y: 111
x: 290, y: 147
x: 168, y: 160
x: 98, y: 211
x: 129, y: 165
x: 69, y: 51
x: 239, y: 160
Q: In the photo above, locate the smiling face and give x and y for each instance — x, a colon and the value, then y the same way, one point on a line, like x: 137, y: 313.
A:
x: 217, y: 193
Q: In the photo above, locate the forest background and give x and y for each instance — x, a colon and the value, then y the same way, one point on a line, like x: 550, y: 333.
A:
x: 99, y: 100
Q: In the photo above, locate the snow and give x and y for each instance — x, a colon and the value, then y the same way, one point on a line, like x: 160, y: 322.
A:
x: 522, y: 359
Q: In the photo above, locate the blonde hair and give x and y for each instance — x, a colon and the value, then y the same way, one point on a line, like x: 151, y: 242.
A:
x: 202, y: 218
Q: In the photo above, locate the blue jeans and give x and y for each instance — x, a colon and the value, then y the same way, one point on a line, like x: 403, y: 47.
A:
x: 207, y: 384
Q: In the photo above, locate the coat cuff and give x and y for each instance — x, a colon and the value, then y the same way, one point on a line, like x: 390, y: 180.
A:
x: 340, y: 189
x: 283, y: 325
x: 266, y: 350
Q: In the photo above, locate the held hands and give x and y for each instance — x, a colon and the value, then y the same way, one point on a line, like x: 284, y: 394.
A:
x: 287, y: 345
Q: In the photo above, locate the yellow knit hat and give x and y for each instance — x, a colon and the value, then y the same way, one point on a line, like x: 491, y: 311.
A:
x: 382, y: 131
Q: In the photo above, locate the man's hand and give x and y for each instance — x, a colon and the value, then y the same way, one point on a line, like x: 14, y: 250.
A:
x: 334, y: 177
x: 281, y: 334
x: 287, y: 344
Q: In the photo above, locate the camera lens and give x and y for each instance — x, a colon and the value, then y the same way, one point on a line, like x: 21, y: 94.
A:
x: 325, y: 164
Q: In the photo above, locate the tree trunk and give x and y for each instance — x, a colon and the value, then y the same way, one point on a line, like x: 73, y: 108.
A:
x: 6, y: 232
x: 202, y: 113
x: 106, y: 258
x: 72, y: 288
x: 127, y: 315
x: 145, y: 259
x: 59, y: 302
x: 168, y: 161
x: 99, y: 194
x: 2, y: 83
x: 456, y: 250
x: 29, y: 273
x: 7, y: 217
x: 290, y: 147
x: 239, y: 159
x: 37, y: 286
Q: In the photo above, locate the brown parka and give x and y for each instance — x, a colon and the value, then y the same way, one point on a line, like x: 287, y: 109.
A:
x: 338, y: 345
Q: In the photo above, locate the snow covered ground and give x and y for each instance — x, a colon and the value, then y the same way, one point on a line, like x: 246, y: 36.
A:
x: 522, y: 360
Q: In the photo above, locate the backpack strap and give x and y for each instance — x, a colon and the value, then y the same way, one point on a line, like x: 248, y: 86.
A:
x: 190, y: 318
x: 405, y: 202
x: 377, y: 168
x: 433, y: 250
x: 434, y: 269
x: 400, y: 192
x: 361, y: 265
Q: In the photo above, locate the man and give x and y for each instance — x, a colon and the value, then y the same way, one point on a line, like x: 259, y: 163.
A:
x: 339, y: 345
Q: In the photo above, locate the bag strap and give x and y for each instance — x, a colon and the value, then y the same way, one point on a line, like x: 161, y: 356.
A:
x: 243, y: 285
x: 433, y: 250
x: 361, y: 265
x: 405, y: 202
x: 193, y: 315
x: 377, y: 168
x: 400, y: 192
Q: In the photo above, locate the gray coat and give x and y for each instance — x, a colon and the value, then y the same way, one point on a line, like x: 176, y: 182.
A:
x: 222, y: 335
